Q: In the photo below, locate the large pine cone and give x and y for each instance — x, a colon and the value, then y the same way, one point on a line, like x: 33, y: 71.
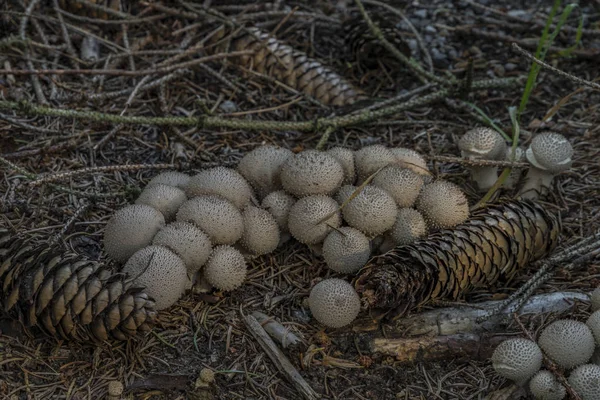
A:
x: 493, y: 244
x: 67, y: 295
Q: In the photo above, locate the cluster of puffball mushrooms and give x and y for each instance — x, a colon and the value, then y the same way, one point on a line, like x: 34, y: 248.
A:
x: 573, y: 346
x: 343, y: 204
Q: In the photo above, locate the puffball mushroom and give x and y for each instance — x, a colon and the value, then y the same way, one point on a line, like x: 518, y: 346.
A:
x: 370, y: 159
x: 262, y: 166
x: 279, y: 203
x: 544, y: 386
x: 334, y: 303
x: 373, y: 211
x: 403, y: 184
x: 130, y: 229
x: 261, y: 232
x: 483, y: 144
x: 311, y: 172
x: 515, y: 173
x: 595, y: 299
x: 585, y: 381
x: 517, y: 359
x: 346, y: 250
x: 593, y: 322
x: 549, y: 154
x: 164, y: 198
x: 217, y: 217
x: 187, y: 241
x: 567, y: 342
x: 409, y: 226
x: 346, y: 159
x: 161, y: 272
x: 221, y: 181
x: 344, y: 193
x: 411, y: 159
x: 311, y: 218
x: 443, y: 204
x: 226, y: 268
x: 170, y: 178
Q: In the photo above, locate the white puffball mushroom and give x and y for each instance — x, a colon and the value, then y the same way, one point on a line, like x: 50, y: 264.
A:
x: 279, y: 203
x: 544, y: 386
x: 346, y: 159
x: 334, y: 303
x: 311, y: 172
x: 443, y: 204
x: 226, y: 268
x: 483, y: 144
x: 344, y: 193
x: 411, y: 159
x: 261, y: 167
x: 593, y: 322
x: 567, y: 342
x: 403, y: 184
x: 373, y: 211
x: 261, y: 232
x: 517, y: 359
x: 130, y: 229
x: 595, y: 299
x: 409, y: 226
x: 346, y: 250
x: 161, y: 272
x: 585, y: 381
x: 549, y: 154
x: 164, y: 198
x: 370, y: 159
x: 221, y: 181
x: 515, y: 173
x: 170, y: 178
x: 217, y: 217
x: 187, y: 241
x: 311, y: 218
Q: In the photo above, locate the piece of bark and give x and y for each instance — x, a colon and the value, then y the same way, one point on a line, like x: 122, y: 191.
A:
x: 280, y: 333
x: 279, y: 359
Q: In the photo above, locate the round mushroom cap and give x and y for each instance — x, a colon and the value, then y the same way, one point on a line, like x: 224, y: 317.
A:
x: 411, y: 159
x: 370, y: 159
x: 221, y: 181
x: 585, y: 381
x: 595, y: 299
x: 482, y: 143
x: 550, y: 152
x: 215, y: 216
x: 261, y: 232
x: 593, y: 322
x: 344, y: 193
x: 403, y: 184
x: 544, y: 386
x: 567, y: 342
x: 443, y: 204
x: 187, y: 241
x: 161, y: 272
x: 115, y: 388
x: 346, y: 250
x: 346, y: 159
x: 517, y: 359
x: 334, y: 302
x: 306, y: 221
x: 164, y: 198
x: 170, y: 178
x: 373, y: 211
x: 130, y: 229
x: 226, y: 268
x: 279, y: 203
x: 409, y: 226
x: 262, y: 166
x: 311, y: 172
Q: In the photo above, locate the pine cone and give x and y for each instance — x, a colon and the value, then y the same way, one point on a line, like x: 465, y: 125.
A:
x: 292, y: 67
x: 67, y: 295
x: 492, y: 245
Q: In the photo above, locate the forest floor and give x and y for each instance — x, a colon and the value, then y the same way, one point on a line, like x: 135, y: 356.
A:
x: 207, y: 330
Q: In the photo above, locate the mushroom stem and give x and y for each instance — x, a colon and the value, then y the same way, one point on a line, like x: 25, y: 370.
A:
x: 537, y: 182
x: 484, y: 177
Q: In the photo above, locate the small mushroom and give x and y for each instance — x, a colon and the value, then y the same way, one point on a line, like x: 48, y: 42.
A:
x: 261, y: 232
x: 585, y: 381
x: 226, y: 269
x: 187, y: 241
x: 346, y: 159
x: 344, y: 193
x: 593, y: 322
x: 442, y: 204
x: 370, y: 159
x: 567, y: 342
x: 517, y: 359
x: 346, y: 250
x: 221, y: 181
x: 411, y: 159
x: 311, y: 172
x: 483, y: 144
x: 334, y: 302
x: 595, y: 299
x: 544, y: 386
x: 373, y: 211
x: 170, y: 178
x: 279, y: 203
x: 164, y: 198
x: 409, y: 226
x: 312, y: 218
x: 217, y: 217
x: 262, y: 166
x: 549, y: 154
x: 403, y: 184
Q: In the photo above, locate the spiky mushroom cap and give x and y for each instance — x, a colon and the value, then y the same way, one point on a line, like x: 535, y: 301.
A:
x: 226, y: 269
x: 161, y: 272
x: 443, y: 204
x: 279, y: 203
x: 482, y: 143
x: 409, y: 226
x: 370, y: 159
x: 262, y: 166
x: 593, y: 322
x: 217, y: 217
x: 187, y: 241
x: 544, y: 386
x: 403, y: 184
x: 346, y: 250
x: 585, y: 381
x: 346, y: 159
x: 411, y: 159
x: 517, y: 359
x: 261, y: 232
x: 567, y: 342
x: 373, y: 211
x: 164, y: 198
x: 311, y: 218
x: 311, y: 172
x: 221, y: 181
x: 595, y: 299
x: 344, y: 193
x: 130, y: 229
x: 550, y: 152
x: 334, y: 303
x: 170, y: 178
